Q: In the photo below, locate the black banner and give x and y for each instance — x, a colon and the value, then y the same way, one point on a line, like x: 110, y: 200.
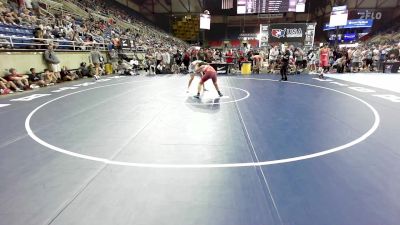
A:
x: 221, y: 68
x: 287, y: 32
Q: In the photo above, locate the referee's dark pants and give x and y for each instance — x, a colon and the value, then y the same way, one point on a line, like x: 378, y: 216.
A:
x: 284, y: 69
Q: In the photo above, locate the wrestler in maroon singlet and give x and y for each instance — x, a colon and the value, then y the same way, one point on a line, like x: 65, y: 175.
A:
x: 208, y: 73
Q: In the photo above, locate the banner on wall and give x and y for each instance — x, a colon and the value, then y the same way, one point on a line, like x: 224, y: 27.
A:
x: 287, y: 32
x: 263, y: 35
x: 352, y: 24
x: 310, y: 35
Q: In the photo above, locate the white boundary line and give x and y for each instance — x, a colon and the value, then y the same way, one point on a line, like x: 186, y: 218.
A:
x: 212, y: 103
x: 253, y: 150
x: 225, y: 165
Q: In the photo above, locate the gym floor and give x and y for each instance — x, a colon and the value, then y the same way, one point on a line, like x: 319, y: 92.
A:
x: 140, y: 150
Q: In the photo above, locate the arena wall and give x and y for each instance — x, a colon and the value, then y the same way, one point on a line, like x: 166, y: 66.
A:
x: 24, y: 60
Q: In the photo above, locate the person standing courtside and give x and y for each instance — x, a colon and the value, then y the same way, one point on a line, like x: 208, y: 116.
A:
x: 53, y: 61
x: 95, y: 58
x: 285, y: 64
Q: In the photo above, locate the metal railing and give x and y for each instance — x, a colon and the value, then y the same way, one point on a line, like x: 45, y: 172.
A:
x: 15, y: 42
x: 27, y: 43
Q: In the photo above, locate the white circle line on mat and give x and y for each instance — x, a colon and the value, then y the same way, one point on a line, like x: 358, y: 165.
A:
x: 247, y: 95
x: 205, y: 166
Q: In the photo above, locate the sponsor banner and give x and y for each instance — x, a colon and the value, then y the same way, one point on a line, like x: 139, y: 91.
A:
x: 349, y: 37
x: 366, y: 14
x: 351, y: 24
x: 310, y: 34
x: 220, y: 68
x: 247, y: 36
x: 287, y: 32
x: 263, y: 35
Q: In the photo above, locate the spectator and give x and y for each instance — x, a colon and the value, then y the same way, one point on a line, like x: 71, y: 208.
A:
x: 298, y: 54
x: 125, y: 68
x: 340, y: 64
x: 114, y: 59
x: 186, y: 60
x: 20, y: 80
x: 159, y: 57
x: 36, y: 79
x: 166, y: 58
x: 160, y: 69
x: 201, y: 55
x: 311, y: 57
x: 66, y: 75
x: 53, y: 61
x: 49, y: 77
x: 178, y: 58
x: 4, y: 90
x: 96, y: 59
x: 273, y: 57
x: 368, y: 54
x: 229, y: 56
x: 394, y: 53
x: 356, y: 60
x: 83, y: 71
x: 8, y: 85
x: 175, y: 68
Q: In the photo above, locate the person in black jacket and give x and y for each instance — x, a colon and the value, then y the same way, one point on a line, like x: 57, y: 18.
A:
x: 285, y: 64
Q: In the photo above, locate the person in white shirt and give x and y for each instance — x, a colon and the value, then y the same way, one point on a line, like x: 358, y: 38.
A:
x: 158, y: 57
x: 166, y: 58
x: 356, y: 60
x: 375, y: 58
x: 312, y: 59
x: 273, y: 57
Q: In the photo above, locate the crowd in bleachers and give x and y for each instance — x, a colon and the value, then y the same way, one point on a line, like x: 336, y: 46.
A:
x: 28, y: 24
x: 25, y: 19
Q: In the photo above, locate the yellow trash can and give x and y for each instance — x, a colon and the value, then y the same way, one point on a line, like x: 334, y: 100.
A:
x: 109, y: 68
x: 246, y: 68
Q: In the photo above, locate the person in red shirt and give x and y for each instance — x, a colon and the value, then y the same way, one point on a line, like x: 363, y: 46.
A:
x: 229, y: 56
x: 18, y: 79
x: 208, y: 73
x: 323, y: 60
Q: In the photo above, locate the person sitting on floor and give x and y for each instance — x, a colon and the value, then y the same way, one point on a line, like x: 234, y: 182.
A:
x: 49, y: 77
x: 4, y: 90
x: 160, y: 69
x: 20, y: 80
x: 83, y: 71
x: 125, y: 68
x: 175, y: 68
x: 10, y: 85
x: 66, y: 75
x: 36, y: 79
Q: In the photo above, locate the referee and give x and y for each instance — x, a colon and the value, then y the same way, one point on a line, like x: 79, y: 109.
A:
x: 285, y: 64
